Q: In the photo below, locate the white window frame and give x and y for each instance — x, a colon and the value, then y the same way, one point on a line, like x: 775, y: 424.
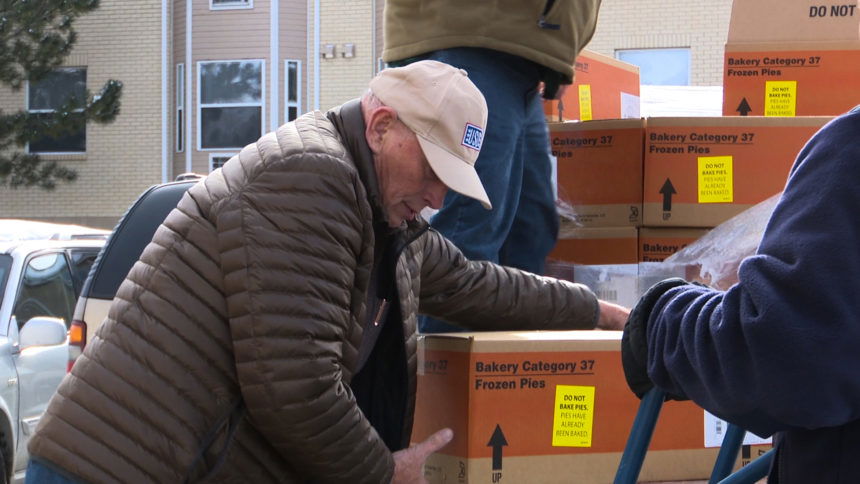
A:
x: 180, y: 140
x: 233, y: 5
x: 200, y: 106
x: 298, y: 102
x: 43, y: 111
x: 212, y: 157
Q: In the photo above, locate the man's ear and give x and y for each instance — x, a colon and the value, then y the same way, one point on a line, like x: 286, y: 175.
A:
x: 380, y: 122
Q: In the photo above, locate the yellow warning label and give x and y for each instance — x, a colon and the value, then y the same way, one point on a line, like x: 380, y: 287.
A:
x: 780, y: 98
x: 715, y: 179
x: 574, y: 416
x: 585, y: 102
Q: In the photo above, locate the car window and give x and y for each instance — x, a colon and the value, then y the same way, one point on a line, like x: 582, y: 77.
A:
x: 46, y: 290
x: 82, y: 261
x: 132, y: 234
x: 5, y: 265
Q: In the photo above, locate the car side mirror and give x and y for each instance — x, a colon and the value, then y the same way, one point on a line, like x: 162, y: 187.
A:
x: 42, y: 331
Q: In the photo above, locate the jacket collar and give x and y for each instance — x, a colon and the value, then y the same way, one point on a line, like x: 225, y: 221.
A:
x: 349, y: 122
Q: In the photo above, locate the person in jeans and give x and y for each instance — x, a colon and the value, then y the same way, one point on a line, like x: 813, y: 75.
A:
x: 509, y: 49
x: 268, y: 332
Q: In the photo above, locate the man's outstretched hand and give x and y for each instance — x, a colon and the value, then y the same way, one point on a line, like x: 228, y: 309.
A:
x: 612, y: 316
x: 409, y: 463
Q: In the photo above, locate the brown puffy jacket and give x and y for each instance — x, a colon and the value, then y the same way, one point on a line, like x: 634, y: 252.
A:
x: 237, y: 331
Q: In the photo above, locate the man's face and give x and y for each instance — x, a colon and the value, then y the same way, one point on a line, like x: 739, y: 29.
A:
x: 406, y: 180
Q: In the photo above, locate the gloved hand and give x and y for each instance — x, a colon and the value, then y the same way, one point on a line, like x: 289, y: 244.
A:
x: 634, y: 341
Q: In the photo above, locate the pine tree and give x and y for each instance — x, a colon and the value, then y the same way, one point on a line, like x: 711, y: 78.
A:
x: 35, y: 37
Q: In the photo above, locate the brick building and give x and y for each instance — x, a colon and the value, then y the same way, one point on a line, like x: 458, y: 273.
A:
x: 671, y: 37
x: 261, y: 63
x: 120, y: 40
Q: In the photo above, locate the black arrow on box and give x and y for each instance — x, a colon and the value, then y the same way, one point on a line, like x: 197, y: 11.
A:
x: 668, y: 190
x: 497, y: 441
x: 744, y: 107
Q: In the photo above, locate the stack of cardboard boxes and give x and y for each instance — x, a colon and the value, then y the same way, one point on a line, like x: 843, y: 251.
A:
x: 789, y: 68
x: 638, y: 190
x: 599, y: 176
x: 554, y: 407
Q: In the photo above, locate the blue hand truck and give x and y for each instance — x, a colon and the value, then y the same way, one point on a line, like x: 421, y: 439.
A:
x: 643, y: 429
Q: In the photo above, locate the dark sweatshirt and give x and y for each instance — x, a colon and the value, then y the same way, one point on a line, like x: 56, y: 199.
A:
x: 779, y: 352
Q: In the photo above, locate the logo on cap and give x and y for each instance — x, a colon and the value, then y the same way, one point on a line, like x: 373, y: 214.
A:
x: 473, y: 137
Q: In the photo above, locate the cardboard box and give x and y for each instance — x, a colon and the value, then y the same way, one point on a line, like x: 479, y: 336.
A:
x: 700, y: 172
x: 597, y: 245
x: 547, y: 407
x: 599, y: 171
x: 603, y: 88
x: 791, y: 58
x: 814, y: 79
x: 656, y: 244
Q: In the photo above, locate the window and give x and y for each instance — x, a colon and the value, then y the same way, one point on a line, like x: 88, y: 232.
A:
x: 5, y: 266
x: 82, y: 261
x: 46, y: 96
x: 230, y: 104
x: 180, y: 107
x: 292, y: 89
x: 217, y: 160
x: 230, y: 4
x: 46, y: 290
x: 659, y: 67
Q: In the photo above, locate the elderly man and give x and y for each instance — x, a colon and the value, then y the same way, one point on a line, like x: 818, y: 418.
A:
x: 267, y: 333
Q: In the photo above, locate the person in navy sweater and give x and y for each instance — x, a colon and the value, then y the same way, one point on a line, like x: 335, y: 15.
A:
x: 778, y: 353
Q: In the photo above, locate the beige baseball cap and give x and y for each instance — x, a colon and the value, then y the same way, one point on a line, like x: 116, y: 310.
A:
x: 446, y: 112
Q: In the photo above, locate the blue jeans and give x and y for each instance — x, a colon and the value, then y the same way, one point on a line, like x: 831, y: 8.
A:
x: 514, y: 166
x: 39, y: 473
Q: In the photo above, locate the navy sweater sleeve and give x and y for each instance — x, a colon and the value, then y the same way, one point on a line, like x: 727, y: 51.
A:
x: 781, y: 348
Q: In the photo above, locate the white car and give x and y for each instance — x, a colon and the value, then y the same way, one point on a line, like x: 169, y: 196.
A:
x: 16, y: 229
x: 39, y: 284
